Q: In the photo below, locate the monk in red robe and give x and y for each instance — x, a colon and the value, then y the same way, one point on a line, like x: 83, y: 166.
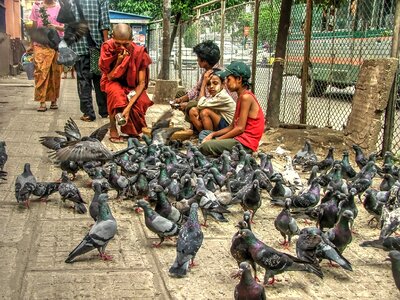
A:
x: 125, y: 68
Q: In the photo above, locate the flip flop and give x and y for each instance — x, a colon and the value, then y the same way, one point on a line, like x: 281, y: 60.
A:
x: 54, y: 106
x: 116, y: 140
x: 41, y: 109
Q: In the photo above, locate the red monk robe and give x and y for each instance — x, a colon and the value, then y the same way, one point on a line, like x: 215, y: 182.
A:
x: 126, y: 75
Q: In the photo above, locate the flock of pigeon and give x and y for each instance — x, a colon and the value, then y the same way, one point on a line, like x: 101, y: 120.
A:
x: 170, y: 181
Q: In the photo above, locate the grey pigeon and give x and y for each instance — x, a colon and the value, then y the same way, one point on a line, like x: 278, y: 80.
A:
x: 390, y: 221
x: 387, y: 244
x: 69, y: 191
x: 273, y: 261
x: 286, y: 224
x: 361, y: 160
x: 158, y: 224
x: 374, y: 201
x: 247, y: 288
x: 3, y: 155
x: 94, y: 207
x: 341, y: 235
x: 44, y: 189
x: 249, y: 197
x: 99, y: 235
x: 189, y: 242
x: 164, y: 207
x: 394, y: 257
x: 25, y: 184
x: 305, y: 155
x: 313, y: 245
x: 119, y: 182
x: 279, y: 191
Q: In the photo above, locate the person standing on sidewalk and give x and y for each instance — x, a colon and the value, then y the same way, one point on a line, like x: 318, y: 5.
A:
x: 47, y: 72
x: 96, y: 13
x: 125, y: 68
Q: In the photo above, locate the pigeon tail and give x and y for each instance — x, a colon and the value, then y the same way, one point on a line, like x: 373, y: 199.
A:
x: 80, y: 208
x: 179, y: 270
x: 84, y: 247
x: 307, y: 268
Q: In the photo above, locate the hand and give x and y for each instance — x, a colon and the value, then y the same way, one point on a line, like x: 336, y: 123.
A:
x: 207, y: 74
x: 125, y: 113
x: 182, y: 106
x: 178, y: 100
x: 52, y: 26
x: 208, y: 137
x: 122, y: 55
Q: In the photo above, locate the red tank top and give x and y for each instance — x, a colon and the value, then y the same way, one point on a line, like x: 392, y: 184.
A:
x: 254, y: 127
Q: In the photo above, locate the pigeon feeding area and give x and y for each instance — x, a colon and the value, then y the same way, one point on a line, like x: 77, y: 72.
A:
x: 129, y: 224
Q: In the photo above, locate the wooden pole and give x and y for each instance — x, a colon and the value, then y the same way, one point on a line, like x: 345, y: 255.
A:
x: 391, y: 107
x: 306, y: 62
x: 255, y: 42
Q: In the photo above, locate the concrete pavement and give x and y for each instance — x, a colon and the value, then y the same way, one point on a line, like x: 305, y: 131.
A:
x: 34, y: 243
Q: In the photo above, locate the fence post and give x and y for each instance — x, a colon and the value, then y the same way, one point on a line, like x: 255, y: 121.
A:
x: 306, y: 62
x: 223, y: 6
x: 255, y: 42
x: 391, y: 106
x: 157, y: 37
x: 180, y: 52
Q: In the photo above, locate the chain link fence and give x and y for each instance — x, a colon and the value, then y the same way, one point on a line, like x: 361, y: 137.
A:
x: 341, y: 39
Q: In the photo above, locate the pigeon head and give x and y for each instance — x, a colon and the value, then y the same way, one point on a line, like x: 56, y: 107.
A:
x: 288, y: 202
x: 348, y: 214
x: 27, y: 168
x: 276, y: 177
x: 175, y: 176
x: 256, y: 184
x: 242, y: 225
x: 246, y: 234
x: 158, y: 188
x: 393, y: 256
x: 243, y: 267
x: 247, y: 216
x: 142, y: 203
x: 103, y: 198
x: 2, y: 144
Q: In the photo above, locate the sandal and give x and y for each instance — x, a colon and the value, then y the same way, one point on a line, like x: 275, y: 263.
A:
x: 41, y: 108
x: 86, y: 118
x: 116, y: 139
x: 54, y: 106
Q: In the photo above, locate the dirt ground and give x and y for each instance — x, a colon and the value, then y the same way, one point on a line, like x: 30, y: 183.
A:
x: 35, y: 242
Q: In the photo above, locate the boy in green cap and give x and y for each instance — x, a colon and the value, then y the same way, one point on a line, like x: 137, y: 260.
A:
x: 247, y: 126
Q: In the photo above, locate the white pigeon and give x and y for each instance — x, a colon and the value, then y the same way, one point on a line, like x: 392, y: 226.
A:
x: 290, y: 176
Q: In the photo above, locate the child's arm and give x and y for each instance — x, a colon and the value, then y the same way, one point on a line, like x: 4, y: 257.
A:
x: 203, y: 87
x: 245, y: 106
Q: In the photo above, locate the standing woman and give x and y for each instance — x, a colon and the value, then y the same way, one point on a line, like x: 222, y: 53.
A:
x: 47, y: 71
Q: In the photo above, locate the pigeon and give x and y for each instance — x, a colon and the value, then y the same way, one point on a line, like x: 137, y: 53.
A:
x: 94, y: 207
x: 305, y: 156
x: 328, y: 211
x: 99, y: 178
x: 394, y: 257
x: 25, y: 184
x: 387, y: 182
x: 390, y: 221
x: 324, y: 164
x: 313, y: 245
x: 3, y: 175
x: 118, y: 182
x: 304, y: 201
x: 164, y: 208
x: 158, y: 224
x: 161, y: 132
x: 273, y: 261
x: 290, y: 176
x: 347, y: 170
x: 249, y: 197
x: 387, y: 244
x: 361, y: 160
x: 279, y: 191
x: 3, y: 155
x: 286, y: 224
x: 247, y: 288
x: 99, y: 235
x: 69, y: 191
x: 341, y: 235
x: 173, y: 188
x: 374, y: 202
x: 349, y: 204
x: 44, y: 189
x: 188, y: 244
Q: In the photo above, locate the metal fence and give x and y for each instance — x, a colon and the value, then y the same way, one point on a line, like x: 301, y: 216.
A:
x: 341, y: 39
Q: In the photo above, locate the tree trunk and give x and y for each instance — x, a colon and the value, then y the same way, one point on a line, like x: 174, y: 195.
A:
x: 164, y: 72
x: 174, y: 31
x: 273, y: 107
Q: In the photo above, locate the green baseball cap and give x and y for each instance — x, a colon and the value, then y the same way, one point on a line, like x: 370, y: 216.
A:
x: 236, y: 68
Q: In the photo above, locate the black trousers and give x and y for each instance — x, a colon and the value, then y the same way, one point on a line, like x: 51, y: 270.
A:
x: 86, y: 82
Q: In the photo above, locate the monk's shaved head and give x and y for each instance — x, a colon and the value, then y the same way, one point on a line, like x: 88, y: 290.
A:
x: 122, y: 32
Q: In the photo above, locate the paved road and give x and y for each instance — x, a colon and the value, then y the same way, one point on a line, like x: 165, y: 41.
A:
x: 34, y: 243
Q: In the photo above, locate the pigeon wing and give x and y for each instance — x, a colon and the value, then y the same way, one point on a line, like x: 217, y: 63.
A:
x: 84, y: 151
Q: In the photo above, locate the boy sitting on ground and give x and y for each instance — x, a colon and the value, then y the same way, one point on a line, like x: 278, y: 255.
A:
x: 216, y: 111
x: 248, y: 122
